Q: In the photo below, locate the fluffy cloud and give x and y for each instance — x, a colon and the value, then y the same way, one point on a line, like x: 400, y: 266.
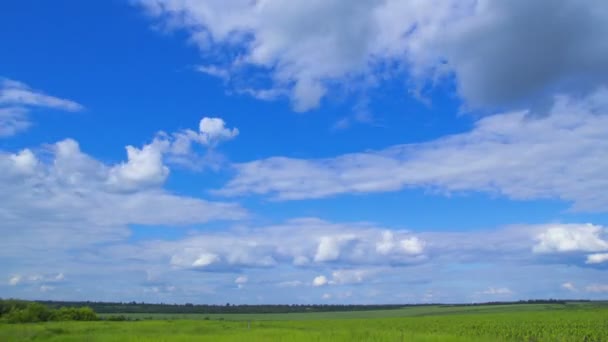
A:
x: 68, y: 198
x: 569, y: 286
x: 16, y: 101
x: 350, y: 252
x: 560, y: 155
x: 177, y: 147
x: 320, y: 281
x: 497, y: 51
x: 316, y: 241
x: 597, y: 258
x: 572, y: 238
x: 156, y: 269
x: 144, y: 167
x: 213, y: 130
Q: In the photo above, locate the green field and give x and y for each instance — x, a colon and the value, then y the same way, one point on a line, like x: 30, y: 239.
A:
x: 526, y: 322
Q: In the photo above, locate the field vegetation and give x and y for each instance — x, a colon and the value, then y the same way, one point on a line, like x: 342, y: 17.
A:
x: 521, y: 322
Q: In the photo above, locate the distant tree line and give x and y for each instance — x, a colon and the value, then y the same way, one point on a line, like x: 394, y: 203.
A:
x: 20, y: 311
x: 135, y: 307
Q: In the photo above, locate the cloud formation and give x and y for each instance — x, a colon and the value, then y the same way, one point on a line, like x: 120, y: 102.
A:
x: 18, y: 99
x: 500, y: 53
x: 572, y: 238
x: 72, y: 200
x: 560, y: 155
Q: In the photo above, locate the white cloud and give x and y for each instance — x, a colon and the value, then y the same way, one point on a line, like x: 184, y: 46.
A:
x: 241, y: 280
x: 24, y: 161
x: 14, y: 280
x: 300, y: 243
x: 67, y: 198
x: 597, y: 258
x: 387, y: 244
x: 497, y: 291
x: 352, y: 250
x: 597, y: 288
x: 571, y: 238
x: 320, y: 281
x: 214, y: 130
x: 20, y: 279
x: 329, y: 247
x: 559, y: 156
x: 215, y: 71
x: 46, y: 288
x: 206, y: 259
x: 177, y: 147
x: 15, y: 93
x: 144, y: 168
x: 350, y: 276
x: 412, y: 246
x: 486, y: 45
x: 16, y: 101
x: 148, y: 269
x: 569, y: 286
x: 13, y: 120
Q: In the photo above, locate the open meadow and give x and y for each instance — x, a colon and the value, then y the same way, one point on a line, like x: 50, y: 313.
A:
x: 525, y: 322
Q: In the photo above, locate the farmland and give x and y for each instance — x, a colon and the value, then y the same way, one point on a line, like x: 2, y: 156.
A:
x: 525, y: 322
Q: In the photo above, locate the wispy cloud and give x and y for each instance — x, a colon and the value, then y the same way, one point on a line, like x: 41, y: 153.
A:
x: 557, y: 156
x: 16, y: 101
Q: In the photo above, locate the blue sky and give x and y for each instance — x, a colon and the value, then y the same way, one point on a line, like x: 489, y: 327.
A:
x: 303, y: 151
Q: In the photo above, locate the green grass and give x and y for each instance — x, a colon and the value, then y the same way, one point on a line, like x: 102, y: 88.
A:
x: 437, y: 323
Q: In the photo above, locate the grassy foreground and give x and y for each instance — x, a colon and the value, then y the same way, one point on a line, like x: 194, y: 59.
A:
x: 495, y: 323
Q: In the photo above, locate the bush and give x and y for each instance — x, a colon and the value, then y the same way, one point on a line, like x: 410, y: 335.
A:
x: 33, y: 312
x: 75, y: 314
x: 14, y: 311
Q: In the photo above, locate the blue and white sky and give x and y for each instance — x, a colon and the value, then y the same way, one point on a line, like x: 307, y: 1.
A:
x: 304, y: 151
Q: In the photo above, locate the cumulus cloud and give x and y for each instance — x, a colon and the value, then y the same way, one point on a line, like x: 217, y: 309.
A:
x: 329, y: 247
x: 213, y: 130
x: 320, y: 281
x: 68, y: 198
x: 318, y: 242
x: 572, y: 238
x: 597, y: 258
x: 178, y: 147
x: 569, y: 286
x: 557, y: 156
x: 144, y: 167
x: 14, y: 280
x: 18, y: 99
x: 350, y: 253
x: 148, y: 269
x: 497, y: 51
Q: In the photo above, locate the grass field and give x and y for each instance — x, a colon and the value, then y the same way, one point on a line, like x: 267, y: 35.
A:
x: 572, y: 322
